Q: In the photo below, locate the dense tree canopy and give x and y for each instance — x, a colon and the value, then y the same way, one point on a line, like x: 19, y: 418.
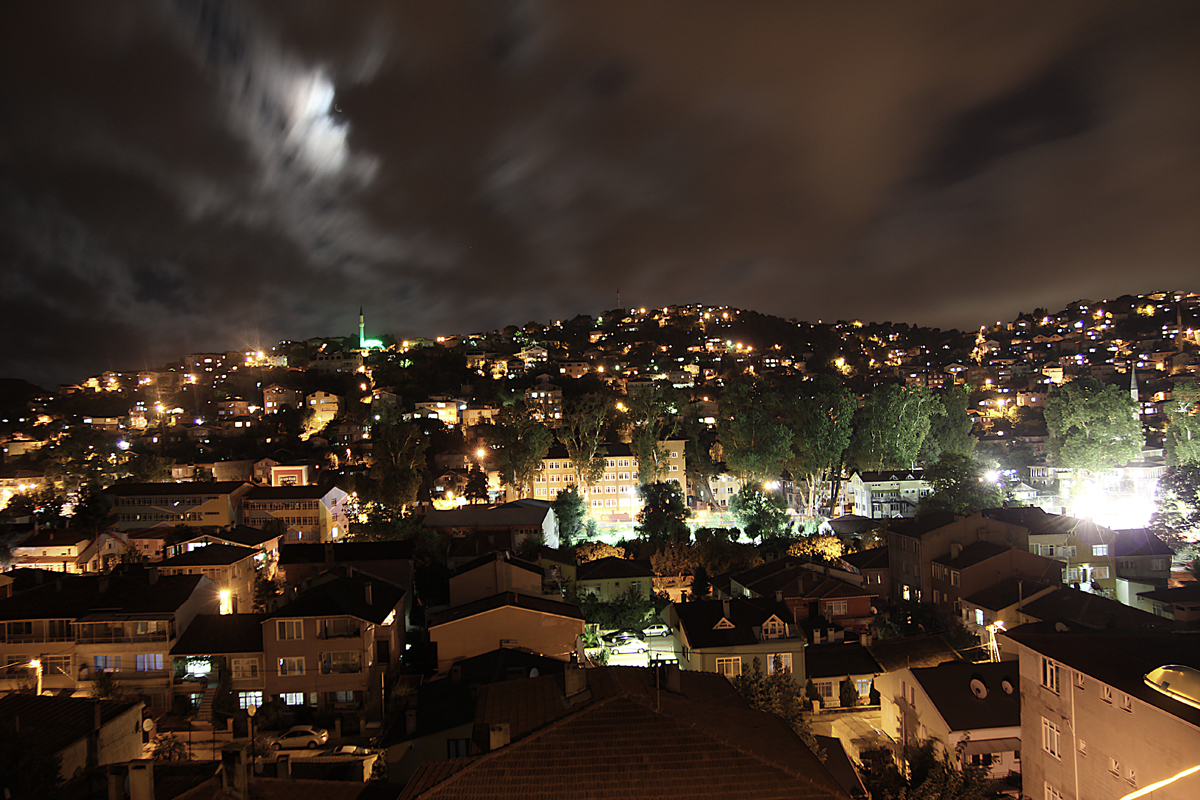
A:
x: 581, y: 433
x: 1183, y: 424
x: 521, y: 444
x: 569, y: 514
x: 664, y: 515
x: 1178, y: 512
x: 761, y: 514
x: 959, y: 485
x: 950, y: 431
x: 820, y: 415
x: 1092, y: 426
x: 652, y: 416
x: 891, y: 426
x: 755, y: 441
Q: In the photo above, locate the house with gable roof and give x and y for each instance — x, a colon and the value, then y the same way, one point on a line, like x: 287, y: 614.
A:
x: 609, y: 578
x: 881, y: 494
x: 725, y: 636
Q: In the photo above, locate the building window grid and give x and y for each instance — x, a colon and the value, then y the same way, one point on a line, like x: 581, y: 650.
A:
x: 1051, y: 738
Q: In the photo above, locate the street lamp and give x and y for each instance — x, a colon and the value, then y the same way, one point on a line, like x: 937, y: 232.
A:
x: 37, y: 666
x: 251, y: 710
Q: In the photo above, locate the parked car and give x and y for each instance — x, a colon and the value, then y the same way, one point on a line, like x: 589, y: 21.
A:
x: 630, y: 645
x: 658, y: 629
x: 621, y: 635
x: 300, y: 736
x: 347, y: 750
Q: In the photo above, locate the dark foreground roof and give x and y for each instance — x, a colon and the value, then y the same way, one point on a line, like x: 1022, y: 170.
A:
x: 950, y: 687
x: 212, y: 634
x: 50, y: 724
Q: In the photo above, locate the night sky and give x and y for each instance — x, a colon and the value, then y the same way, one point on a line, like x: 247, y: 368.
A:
x: 181, y: 176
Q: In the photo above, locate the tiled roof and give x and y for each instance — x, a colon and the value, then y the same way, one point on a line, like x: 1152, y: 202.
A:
x: 623, y: 738
x: 431, y: 773
x: 1139, y: 542
x: 543, y: 605
x: 169, y: 489
x: 210, y: 555
x: 972, y: 554
x: 496, y: 555
x: 1007, y: 592
x: 613, y: 567
x: 129, y: 594
x: 914, y: 651
x: 889, y: 475
x: 216, y: 634
x: 949, y: 687
x: 1121, y: 658
x: 1188, y: 593
x: 917, y: 527
x: 345, y: 596
x: 50, y: 724
x: 281, y: 789
x: 52, y: 538
x: 307, y: 553
x: 246, y: 535
x: 700, y: 617
x: 839, y: 658
x: 1092, y: 610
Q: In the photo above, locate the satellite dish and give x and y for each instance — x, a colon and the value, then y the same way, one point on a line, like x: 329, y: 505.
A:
x: 1061, y: 627
x: 147, y: 724
x: 1007, y: 686
x: 533, y: 672
x: 978, y: 689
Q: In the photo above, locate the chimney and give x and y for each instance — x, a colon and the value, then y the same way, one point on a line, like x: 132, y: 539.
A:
x: 152, y: 575
x: 779, y: 595
x: 725, y: 608
x: 673, y: 681
x: 864, y: 639
x: 574, y: 680
x: 141, y: 780
x: 368, y: 594
x: 499, y: 735
x: 410, y: 721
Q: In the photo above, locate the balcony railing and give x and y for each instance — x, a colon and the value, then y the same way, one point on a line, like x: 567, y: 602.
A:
x: 340, y: 634
x: 110, y: 639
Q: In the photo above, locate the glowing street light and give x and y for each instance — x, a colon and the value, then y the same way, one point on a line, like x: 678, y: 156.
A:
x: 226, y: 598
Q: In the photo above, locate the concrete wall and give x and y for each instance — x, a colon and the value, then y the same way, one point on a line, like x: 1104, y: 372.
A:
x: 541, y: 633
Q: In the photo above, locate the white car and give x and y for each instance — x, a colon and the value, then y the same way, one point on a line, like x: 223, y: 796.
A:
x: 301, y: 736
x: 630, y: 645
x: 658, y: 630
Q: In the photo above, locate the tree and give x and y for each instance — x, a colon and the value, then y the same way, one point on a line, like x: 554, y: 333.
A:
x: 664, y: 515
x: 569, y: 514
x: 891, y: 427
x: 848, y: 693
x: 1092, y: 426
x: 477, y: 485
x: 820, y: 416
x: 761, y: 514
x: 149, y: 468
x: 777, y: 694
x: 673, y: 560
x: 630, y: 609
x: 581, y: 433
x: 522, y: 443
x: 930, y: 775
x: 754, y: 440
x: 818, y: 546
x: 959, y: 486
x: 652, y: 419
x: 592, y: 551
x: 1178, y: 501
x: 950, y: 431
x: 701, y: 583
x: 169, y: 747
x: 1183, y: 424
x: 397, y: 463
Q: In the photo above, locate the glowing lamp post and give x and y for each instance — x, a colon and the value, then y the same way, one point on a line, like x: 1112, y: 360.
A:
x: 37, y: 668
x: 226, y: 598
x: 251, y: 710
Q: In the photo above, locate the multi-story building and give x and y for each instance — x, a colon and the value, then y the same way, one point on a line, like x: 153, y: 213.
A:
x: 966, y: 570
x: 308, y: 513
x: 615, y: 496
x: 545, y: 399
x: 152, y: 505
x: 726, y: 636
x: 1100, y: 721
x: 888, y: 493
x: 121, y: 625
x: 231, y: 567
x: 325, y: 407
x: 276, y: 397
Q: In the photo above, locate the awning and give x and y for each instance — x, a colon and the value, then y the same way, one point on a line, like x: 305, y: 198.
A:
x: 978, y: 746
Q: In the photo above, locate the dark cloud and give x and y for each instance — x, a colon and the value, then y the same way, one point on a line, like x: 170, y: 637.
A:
x: 190, y: 175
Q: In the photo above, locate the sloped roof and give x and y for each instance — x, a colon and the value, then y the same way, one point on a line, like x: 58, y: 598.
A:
x: 1007, y: 592
x: 1092, y: 610
x: 168, y: 489
x: 875, y: 558
x: 309, y: 553
x: 122, y: 595
x: 699, y: 619
x: 485, y: 517
x: 496, y: 555
x: 216, y: 634
x: 1140, y: 542
x: 1121, y: 658
x: 50, y: 724
x: 310, y: 492
x: 53, y: 538
x: 613, y: 567
x: 949, y: 687
x: 210, y: 555
x: 913, y: 651
x: 838, y: 659
x: 1188, y: 593
x: 972, y: 554
x: 543, y: 605
x: 918, y: 526
x: 887, y: 475
x: 622, y: 738
x: 345, y: 596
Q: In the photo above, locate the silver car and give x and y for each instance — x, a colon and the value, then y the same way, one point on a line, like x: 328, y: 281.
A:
x: 300, y: 736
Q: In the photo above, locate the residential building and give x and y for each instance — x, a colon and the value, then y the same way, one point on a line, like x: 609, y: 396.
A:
x: 58, y: 551
x: 231, y: 567
x: 914, y: 543
x: 472, y: 531
x: 345, y: 362
x: 391, y: 561
x: 325, y: 408
x: 308, y: 513
x: 726, y: 636
x: 491, y: 574
x: 542, y: 625
x: 832, y: 664
x: 152, y: 505
x: 615, y: 496
x: 216, y: 645
x: 331, y: 647
x: 80, y: 732
x: 888, y: 493
x: 609, y: 578
x: 1179, y: 603
x: 443, y: 407
x: 973, y: 710
x: 969, y: 569
x: 276, y: 397
x: 1095, y: 726
x: 545, y: 399
x: 640, y: 733
x: 121, y: 624
x: 810, y: 591
x: 873, y: 565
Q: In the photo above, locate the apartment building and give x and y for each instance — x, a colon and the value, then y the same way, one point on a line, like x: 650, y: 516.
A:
x: 308, y: 513
x: 151, y: 505
x: 231, y: 567
x: 615, y: 496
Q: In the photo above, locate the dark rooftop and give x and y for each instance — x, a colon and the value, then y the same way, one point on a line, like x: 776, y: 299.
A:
x: 972, y: 554
x: 838, y: 658
x: 308, y: 553
x: 50, y: 724
x: 213, y: 634
x: 700, y: 617
x: 545, y: 605
x: 112, y: 595
x: 496, y: 555
x: 167, y: 489
x: 613, y: 567
x: 331, y: 596
x: 949, y: 687
x: 211, y: 555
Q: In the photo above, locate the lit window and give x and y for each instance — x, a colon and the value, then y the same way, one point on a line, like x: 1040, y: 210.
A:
x: 247, y: 699
x: 729, y: 667
x: 293, y: 698
x: 782, y: 660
